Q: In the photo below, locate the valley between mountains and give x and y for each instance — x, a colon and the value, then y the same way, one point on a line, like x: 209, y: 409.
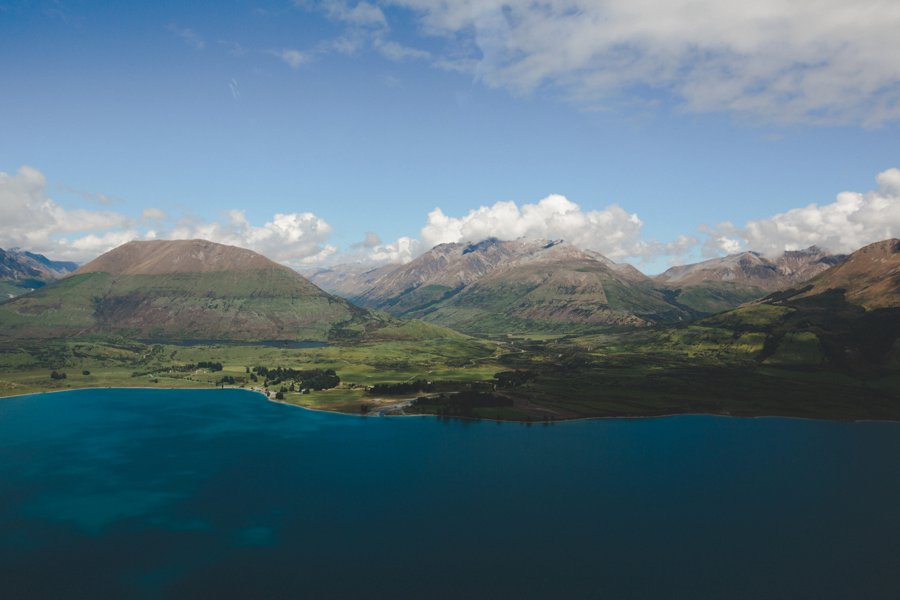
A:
x: 527, y: 330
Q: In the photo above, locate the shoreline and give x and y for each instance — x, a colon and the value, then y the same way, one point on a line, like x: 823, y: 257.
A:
x: 367, y: 416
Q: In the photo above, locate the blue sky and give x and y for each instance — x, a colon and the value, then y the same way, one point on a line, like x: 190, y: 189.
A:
x: 350, y: 119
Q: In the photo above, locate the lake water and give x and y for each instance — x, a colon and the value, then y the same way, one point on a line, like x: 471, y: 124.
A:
x: 148, y: 493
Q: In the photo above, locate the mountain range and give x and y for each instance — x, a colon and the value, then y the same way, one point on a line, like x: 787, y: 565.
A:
x: 870, y: 277
x: 551, y: 286
x: 601, y: 338
x: 22, y: 272
x: 195, y: 289
x: 723, y: 283
x: 496, y: 286
x: 846, y: 318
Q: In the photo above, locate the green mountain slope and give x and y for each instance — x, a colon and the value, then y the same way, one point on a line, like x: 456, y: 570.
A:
x: 566, y: 291
x: 184, y: 290
x: 710, y: 297
x: 521, y: 286
x: 846, y: 318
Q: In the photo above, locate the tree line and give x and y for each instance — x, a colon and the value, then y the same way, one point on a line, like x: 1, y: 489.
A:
x: 313, y: 379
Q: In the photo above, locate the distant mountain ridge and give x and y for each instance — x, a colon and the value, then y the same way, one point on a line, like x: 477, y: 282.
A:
x: 452, y: 283
x: 22, y: 271
x: 723, y: 283
x: 870, y: 277
x: 447, y: 267
x: 198, y: 289
x: 495, y: 286
x: 347, y: 280
x: 559, y: 289
x: 451, y: 265
x: 751, y: 268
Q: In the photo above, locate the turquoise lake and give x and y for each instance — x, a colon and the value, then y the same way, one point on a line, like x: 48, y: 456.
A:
x: 219, y: 493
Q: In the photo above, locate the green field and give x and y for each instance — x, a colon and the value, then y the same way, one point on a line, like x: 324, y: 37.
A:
x: 26, y: 367
x: 692, y: 369
x: 816, y: 357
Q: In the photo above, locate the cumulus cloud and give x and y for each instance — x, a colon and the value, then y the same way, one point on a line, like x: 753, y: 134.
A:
x: 721, y: 240
x: 30, y: 219
x: 818, y: 61
x: 372, y: 252
x: 890, y: 181
x: 88, y: 246
x: 290, y: 238
x: 611, y: 231
x: 853, y: 220
x: 403, y: 250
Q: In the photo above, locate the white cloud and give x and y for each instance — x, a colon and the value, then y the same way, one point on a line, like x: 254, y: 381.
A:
x: 189, y: 36
x: 853, y: 220
x: 676, y: 252
x: 612, y: 231
x: 721, y: 240
x: 91, y: 245
x: 31, y: 220
x: 403, y: 250
x: 293, y: 58
x: 372, y: 252
x: 290, y: 238
x: 818, y: 61
x: 890, y: 181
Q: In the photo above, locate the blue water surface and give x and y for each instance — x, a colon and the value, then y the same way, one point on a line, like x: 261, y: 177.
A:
x: 220, y: 494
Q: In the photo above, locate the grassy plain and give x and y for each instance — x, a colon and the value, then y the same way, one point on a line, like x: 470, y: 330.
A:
x: 26, y: 367
x: 824, y: 360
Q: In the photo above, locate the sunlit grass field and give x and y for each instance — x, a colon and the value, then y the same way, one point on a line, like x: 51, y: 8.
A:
x: 27, y: 368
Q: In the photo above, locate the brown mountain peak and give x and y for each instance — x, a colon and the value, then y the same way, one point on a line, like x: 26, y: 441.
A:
x: 162, y: 257
x: 869, y: 277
